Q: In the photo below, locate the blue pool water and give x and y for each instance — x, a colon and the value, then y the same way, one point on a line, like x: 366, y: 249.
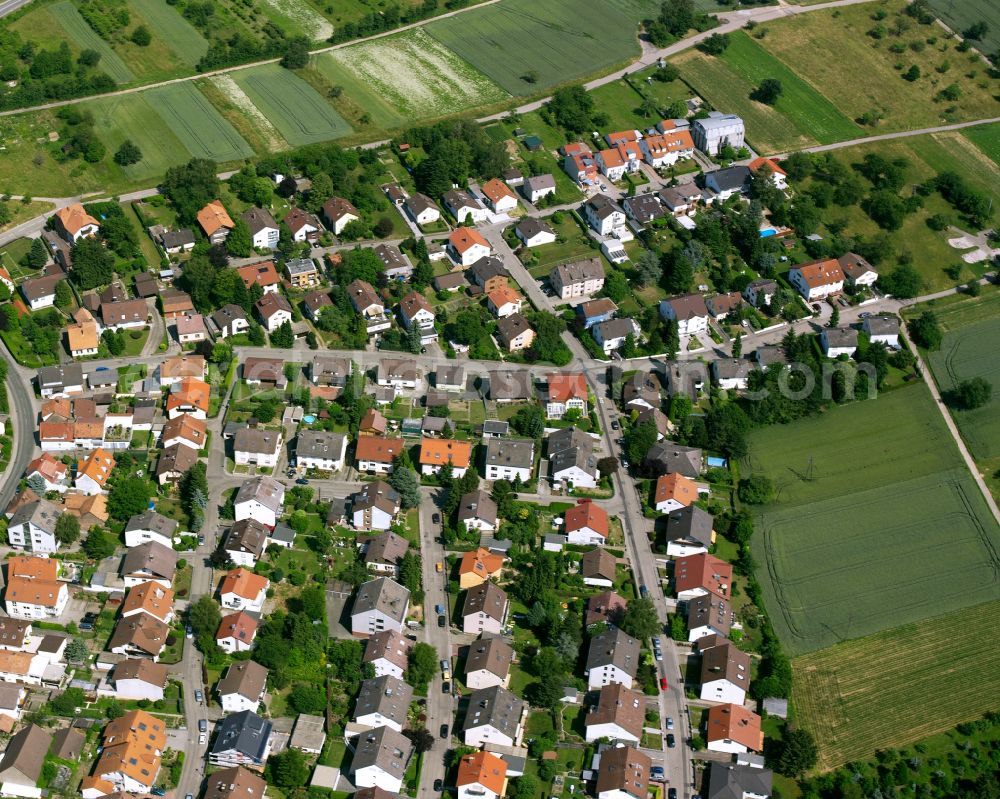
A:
x: 768, y: 232
x: 308, y: 418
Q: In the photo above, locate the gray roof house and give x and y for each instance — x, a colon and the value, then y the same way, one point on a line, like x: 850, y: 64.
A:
x: 150, y: 561
x: 22, y: 761
x: 243, y: 686
x: 383, y: 701
x: 477, y: 509
x: 488, y: 662
x: 494, y: 716
x: 691, y: 528
x: 380, y: 604
x: 380, y: 759
x: 666, y: 456
x: 510, y: 386
x: 733, y: 781
x: 507, y: 456
x: 246, y: 542
x: 612, y: 657
x: 330, y: 371
x: 241, y: 739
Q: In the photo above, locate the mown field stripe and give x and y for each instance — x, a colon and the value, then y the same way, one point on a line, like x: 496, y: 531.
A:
x: 987, y: 139
x: 888, y: 690
x: 80, y: 32
x: 194, y: 120
x: 179, y: 34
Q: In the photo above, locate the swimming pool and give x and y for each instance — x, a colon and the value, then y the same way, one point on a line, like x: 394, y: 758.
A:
x: 767, y: 232
x: 308, y: 418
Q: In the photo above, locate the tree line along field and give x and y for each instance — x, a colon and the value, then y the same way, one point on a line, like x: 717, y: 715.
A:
x: 874, y: 522
x: 969, y: 349
x: 960, y: 14
x: 79, y: 31
x: 552, y: 41
x: 834, y: 71
x: 896, y: 687
x: 800, y: 117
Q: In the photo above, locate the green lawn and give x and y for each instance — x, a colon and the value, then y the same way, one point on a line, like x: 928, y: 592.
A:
x: 572, y: 245
x: 987, y: 139
x: 294, y: 107
x: 846, y: 507
x: 801, y: 116
x: 551, y: 41
x: 623, y: 105
x: 79, y: 31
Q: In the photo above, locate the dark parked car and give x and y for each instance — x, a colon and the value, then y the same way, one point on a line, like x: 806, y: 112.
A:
x: 438, y: 785
x: 444, y: 730
x: 671, y: 793
x: 614, y: 425
x: 442, y: 621
x: 446, y: 687
x: 436, y: 518
x: 302, y: 481
x: 671, y: 741
x: 202, y: 725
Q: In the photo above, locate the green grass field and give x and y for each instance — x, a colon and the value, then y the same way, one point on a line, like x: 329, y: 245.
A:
x: 969, y: 349
x: 131, y: 116
x: 560, y: 40
x: 801, y: 116
x: 201, y: 129
x: 987, y: 139
x: 76, y: 28
x: 410, y: 76
x: 960, y: 15
x: 179, y: 34
x: 298, y: 112
x: 862, y: 486
x: 889, y: 690
x: 832, y: 51
x: 298, y: 18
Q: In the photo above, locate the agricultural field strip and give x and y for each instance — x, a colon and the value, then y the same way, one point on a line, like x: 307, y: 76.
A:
x: 194, y: 120
x: 301, y: 18
x: 181, y: 36
x: 928, y: 676
x: 297, y: 110
x: 826, y: 585
x: 960, y: 15
x: 417, y: 75
x: 987, y: 139
x: 79, y: 31
x: 238, y: 97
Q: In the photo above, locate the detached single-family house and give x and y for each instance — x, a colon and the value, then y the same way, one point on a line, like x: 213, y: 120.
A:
x: 383, y: 552
x: 92, y: 473
x: 150, y: 561
x: 33, y: 590
x: 733, y: 729
x: 666, y: 149
x: 594, y: 312
x: 481, y: 775
x: 479, y: 565
x: 190, y: 395
x: 613, y: 657
x: 190, y: 328
x: 421, y: 209
x: 494, y: 717
x: 397, y: 373
x: 139, y: 678
x: 21, y: 766
x: 467, y: 246
x: 236, y: 632
x: 485, y: 609
x: 215, y: 222
x: 579, y: 163
x: 666, y: 456
x: 488, y: 274
x: 263, y: 274
x: 257, y: 446
x: 263, y: 228
x: 243, y: 590
x: 242, y: 687
x: 571, y: 458
x: 577, y: 279
x: 725, y: 671
x: 302, y: 273
x: 175, y: 462
x: 185, y: 429
x: 536, y: 187
x: 274, y: 310
x: 674, y: 491
x: 320, y: 450
x: 150, y: 526
x: 463, y: 205
x: 729, y: 181
x: 510, y: 459
x: 375, y: 454
x: 51, y: 472
x: 598, y: 567
x: 688, y: 311
x: 499, y: 197
x: 73, y: 223
x: 611, y: 335
x: 643, y: 208
x: 246, y: 542
x: 141, y: 635
x: 604, y: 608
x: 241, y: 739
x: 760, y: 292
x: 388, y: 652
x: 817, y: 280
x: 731, y: 373
x: 60, y: 381
x: 488, y: 662
x: 721, y: 305
x: 689, y: 531
x: 737, y: 781
x: 586, y: 524
x: 417, y: 313
x: 534, y: 232
x: 567, y: 391
x: 82, y: 335
x: 514, y: 333
x: 857, y: 270
x: 837, y: 341
x: 883, y: 329
x: 603, y: 214
x: 40, y: 292
x: 477, y: 511
x: 303, y: 225
x: 709, y: 614
x: 380, y: 759
x: 623, y: 774
x: 380, y: 604
x: 769, y: 168
x: 701, y: 574
x: 382, y: 702
x: 436, y: 452
x: 338, y: 213
x: 32, y: 528
x: 619, y: 715
x: 397, y: 263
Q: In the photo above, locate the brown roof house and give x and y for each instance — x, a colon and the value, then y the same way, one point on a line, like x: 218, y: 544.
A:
x: 619, y: 715
x: 215, y: 222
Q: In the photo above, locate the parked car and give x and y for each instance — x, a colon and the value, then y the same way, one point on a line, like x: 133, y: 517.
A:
x: 670, y: 722
x: 198, y: 696
x: 439, y: 609
x: 657, y: 773
x: 663, y: 683
x: 446, y: 687
x: 438, y: 785
x: 202, y: 725
x: 159, y: 791
x: 439, y: 567
x: 615, y: 425
x: 671, y: 741
x: 657, y: 653
x: 442, y: 621
x: 436, y: 518
x: 643, y: 591
x: 671, y: 793
x: 202, y: 738
x: 444, y: 731
x: 302, y: 481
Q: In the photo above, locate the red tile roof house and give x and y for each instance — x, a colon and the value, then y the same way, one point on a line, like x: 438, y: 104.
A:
x: 587, y: 523
x: 817, y: 280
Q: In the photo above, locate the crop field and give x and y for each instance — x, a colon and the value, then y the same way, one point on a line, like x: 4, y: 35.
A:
x: 867, y: 484
x: 179, y: 34
x: 801, y: 116
x: 987, y: 139
x: 411, y: 76
x: 969, y: 349
x: 233, y: 103
x: 131, y: 116
x: 960, y: 15
x: 558, y: 40
x: 818, y: 45
x: 298, y: 17
x: 200, y: 128
x: 294, y: 107
x: 890, y: 689
x: 81, y: 33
